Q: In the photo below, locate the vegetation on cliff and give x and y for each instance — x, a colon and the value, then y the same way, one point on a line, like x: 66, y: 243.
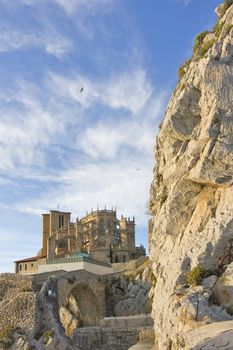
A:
x: 201, y: 43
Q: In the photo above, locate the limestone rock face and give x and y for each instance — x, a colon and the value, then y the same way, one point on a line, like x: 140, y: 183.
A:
x: 223, y: 289
x: 70, y: 316
x: 191, y: 193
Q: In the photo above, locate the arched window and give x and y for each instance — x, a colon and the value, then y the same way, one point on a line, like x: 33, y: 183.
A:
x: 109, y: 223
x: 61, y: 221
x: 101, y: 227
x: 116, y: 259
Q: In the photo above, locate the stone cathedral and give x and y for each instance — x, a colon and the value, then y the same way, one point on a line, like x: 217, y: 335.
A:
x: 100, y: 234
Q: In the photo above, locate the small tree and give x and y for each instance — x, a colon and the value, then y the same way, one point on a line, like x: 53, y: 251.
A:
x: 196, y: 275
x: 199, y: 40
x: 183, y: 68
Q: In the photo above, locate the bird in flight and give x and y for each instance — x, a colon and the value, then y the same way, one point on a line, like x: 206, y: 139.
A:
x: 82, y: 89
x: 138, y: 169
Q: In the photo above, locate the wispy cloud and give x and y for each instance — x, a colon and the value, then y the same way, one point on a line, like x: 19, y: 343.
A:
x: 108, y: 184
x: 129, y: 90
x: 4, y: 181
x: 72, y: 6
x: 27, y: 127
x: 185, y: 2
x: 52, y: 42
x: 108, y: 139
x: 112, y: 149
x: 34, y: 124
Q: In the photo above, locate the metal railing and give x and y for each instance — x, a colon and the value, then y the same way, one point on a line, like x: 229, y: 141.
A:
x: 78, y: 259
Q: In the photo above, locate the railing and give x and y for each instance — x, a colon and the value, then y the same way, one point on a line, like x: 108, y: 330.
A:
x: 78, y: 259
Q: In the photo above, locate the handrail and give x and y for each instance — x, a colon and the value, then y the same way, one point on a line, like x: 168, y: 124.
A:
x: 78, y: 259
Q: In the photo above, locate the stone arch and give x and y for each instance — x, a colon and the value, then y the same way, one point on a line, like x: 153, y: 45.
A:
x: 87, y: 304
x: 81, y: 300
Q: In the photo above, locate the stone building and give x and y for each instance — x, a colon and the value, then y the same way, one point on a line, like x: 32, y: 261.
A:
x: 100, y: 235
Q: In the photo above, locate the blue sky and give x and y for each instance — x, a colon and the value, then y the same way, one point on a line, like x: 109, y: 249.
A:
x: 76, y: 150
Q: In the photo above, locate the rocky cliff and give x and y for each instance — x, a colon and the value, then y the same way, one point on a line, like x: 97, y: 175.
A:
x: 191, y: 194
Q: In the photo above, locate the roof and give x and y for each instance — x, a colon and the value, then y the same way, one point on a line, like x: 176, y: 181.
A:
x: 32, y: 258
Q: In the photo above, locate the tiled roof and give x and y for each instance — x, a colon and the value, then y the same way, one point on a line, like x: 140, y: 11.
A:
x: 32, y: 258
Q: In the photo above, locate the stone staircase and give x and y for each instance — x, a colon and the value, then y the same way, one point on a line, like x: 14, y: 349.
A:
x: 118, y: 333
x: 136, y: 321
x: 146, y: 340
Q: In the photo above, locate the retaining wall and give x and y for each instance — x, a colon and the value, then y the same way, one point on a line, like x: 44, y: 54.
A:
x: 97, y: 338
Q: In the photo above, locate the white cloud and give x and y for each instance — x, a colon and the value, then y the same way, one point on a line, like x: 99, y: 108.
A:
x: 72, y: 6
x: 128, y: 90
x: 27, y: 128
x: 185, y: 2
x: 114, y: 148
x: 108, y: 184
x: 106, y: 140
x: 4, y: 181
x: 50, y: 41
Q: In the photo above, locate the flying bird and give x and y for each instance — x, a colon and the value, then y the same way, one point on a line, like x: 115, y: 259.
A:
x: 82, y: 89
x: 138, y: 169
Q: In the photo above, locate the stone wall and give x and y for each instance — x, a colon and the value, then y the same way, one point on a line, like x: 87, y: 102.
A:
x: 97, y: 338
x: 29, y: 266
x: 74, y: 266
x: 17, y: 301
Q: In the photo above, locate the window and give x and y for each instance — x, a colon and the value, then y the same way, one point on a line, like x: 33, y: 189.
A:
x: 101, y: 227
x: 124, y: 258
x: 25, y: 267
x: 20, y: 267
x: 61, y: 221
x: 109, y: 224
x: 31, y: 265
x: 116, y: 259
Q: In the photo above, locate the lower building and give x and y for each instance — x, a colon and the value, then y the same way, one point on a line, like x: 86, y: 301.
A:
x: 99, y: 236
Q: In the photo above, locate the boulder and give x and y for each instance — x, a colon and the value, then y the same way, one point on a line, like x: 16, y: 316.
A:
x: 223, y: 289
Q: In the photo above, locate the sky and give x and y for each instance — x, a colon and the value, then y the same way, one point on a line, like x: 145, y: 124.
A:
x: 76, y: 150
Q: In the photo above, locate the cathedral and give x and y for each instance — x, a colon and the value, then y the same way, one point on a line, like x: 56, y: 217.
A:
x: 100, y: 235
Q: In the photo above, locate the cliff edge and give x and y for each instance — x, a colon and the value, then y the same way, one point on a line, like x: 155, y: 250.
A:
x: 191, y: 194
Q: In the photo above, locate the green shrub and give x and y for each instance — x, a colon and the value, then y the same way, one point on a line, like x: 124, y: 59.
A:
x: 226, y: 5
x: 152, y: 278
x: 131, y: 277
x: 205, y: 47
x: 199, y: 40
x: 6, y: 331
x: 228, y: 28
x: 24, y: 290
x: 218, y: 28
x: 183, y: 68
x: 149, y: 305
x: 48, y: 334
x: 196, y: 275
x: 38, y: 335
x: 6, y: 336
